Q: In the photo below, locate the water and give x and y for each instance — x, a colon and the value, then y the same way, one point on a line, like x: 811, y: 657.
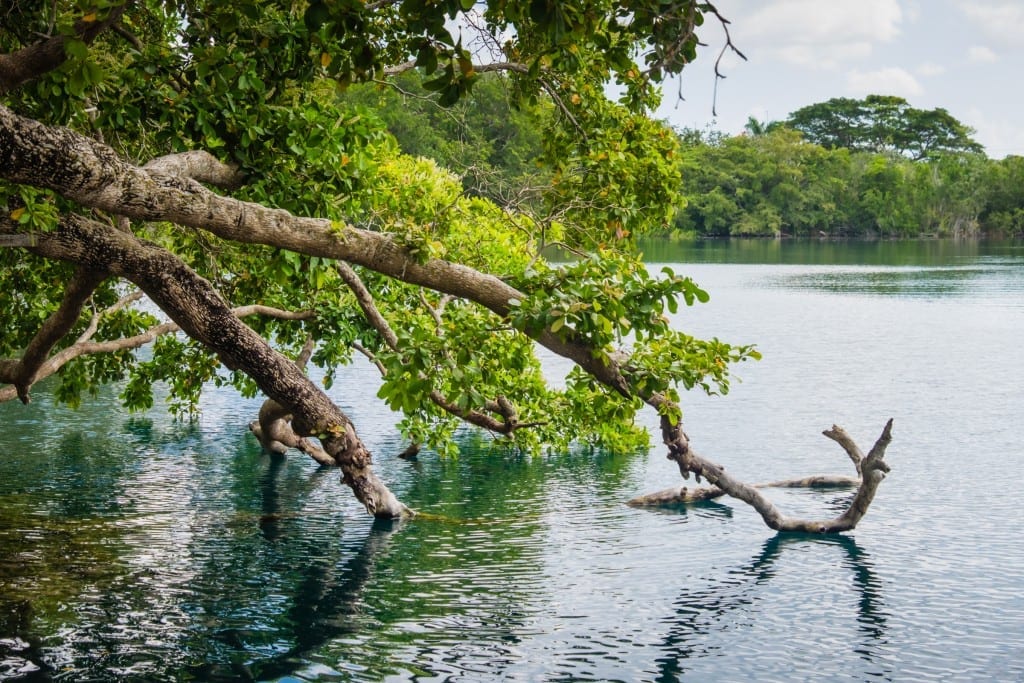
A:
x: 137, y: 548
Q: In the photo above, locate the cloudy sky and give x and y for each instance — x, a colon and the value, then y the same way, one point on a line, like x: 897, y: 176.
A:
x: 966, y: 56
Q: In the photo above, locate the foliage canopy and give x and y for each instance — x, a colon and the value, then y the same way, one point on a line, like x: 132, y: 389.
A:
x: 257, y: 85
x: 119, y: 119
x: 882, y: 123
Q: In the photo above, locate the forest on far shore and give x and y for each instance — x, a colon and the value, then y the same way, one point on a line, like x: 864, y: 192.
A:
x: 867, y: 168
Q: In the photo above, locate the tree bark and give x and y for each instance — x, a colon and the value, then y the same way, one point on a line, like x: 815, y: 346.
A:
x: 91, y: 174
x: 872, y: 470
x: 273, y: 426
x: 194, y: 305
x: 83, y: 283
x: 675, y: 495
x: 84, y: 345
x: 32, y: 61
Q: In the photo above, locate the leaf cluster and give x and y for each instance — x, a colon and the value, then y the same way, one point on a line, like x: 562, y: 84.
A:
x: 881, y: 123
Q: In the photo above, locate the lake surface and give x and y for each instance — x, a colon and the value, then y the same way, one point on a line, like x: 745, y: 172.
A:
x: 138, y: 548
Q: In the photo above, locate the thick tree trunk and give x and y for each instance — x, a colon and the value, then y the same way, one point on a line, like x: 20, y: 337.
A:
x: 194, y: 305
x: 93, y: 175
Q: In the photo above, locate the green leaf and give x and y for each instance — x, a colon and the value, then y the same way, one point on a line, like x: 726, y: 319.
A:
x: 75, y: 48
x: 317, y: 14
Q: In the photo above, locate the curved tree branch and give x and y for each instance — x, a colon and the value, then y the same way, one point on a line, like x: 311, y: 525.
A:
x: 93, y: 175
x: 500, y: 406
x: 872, y: 470
x: 200, y: 166
x: 9, y: 368
x: 83, y: 283
x: 193, y: 303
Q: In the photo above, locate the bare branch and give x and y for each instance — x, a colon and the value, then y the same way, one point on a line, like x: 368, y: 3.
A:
x: 84, y: 346
x: 729, y: 46
x: 400, y: 68
x: 676, y: 495
x: 839, y: 435
x: 83, y: 283
x: 871, y: 476
x: 367, y: 305
x: 127, y: 35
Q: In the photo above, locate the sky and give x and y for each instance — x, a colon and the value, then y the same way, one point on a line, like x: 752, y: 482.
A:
x: 966, y: 56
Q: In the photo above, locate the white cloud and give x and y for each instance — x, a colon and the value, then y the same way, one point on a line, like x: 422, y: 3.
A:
x: 929, y: 69
x: 1000, y: 136
x: 811, y: 33
x: 814, y: 57
x: 981, y: 54
x: 1002, y: 22
x: 886, y: 81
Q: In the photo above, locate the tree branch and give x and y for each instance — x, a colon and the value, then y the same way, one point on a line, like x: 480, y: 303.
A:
x: 91, y: 173
x: 83, y: 346
x: 200, y: 166
x: 501, y: 406
x: 83, y: 283
x: 193, y: 303
x: 872, y: 470
x: 273, y: 427
x: 33, y: 61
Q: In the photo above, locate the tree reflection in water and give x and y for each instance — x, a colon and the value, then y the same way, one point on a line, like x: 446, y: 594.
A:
x: 700, y: 613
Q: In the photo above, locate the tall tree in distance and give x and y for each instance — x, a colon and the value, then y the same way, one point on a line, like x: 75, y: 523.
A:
x: 883, y: 123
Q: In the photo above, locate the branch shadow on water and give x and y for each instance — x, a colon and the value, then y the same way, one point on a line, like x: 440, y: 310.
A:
x: 701, y: 612
x: 324, y: 598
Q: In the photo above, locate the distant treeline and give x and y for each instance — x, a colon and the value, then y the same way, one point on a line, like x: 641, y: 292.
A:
x: 777, y: 183
x: 845, y: 168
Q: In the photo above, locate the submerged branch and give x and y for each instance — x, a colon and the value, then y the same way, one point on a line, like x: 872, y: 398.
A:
x: 872, y: 470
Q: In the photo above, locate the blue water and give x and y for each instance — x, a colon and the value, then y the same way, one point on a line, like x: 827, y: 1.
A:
x: 138, y: 548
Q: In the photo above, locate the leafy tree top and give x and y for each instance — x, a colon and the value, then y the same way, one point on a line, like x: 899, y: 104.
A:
x: 883, y: 123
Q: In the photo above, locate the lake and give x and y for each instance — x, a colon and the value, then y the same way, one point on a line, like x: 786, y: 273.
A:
x: 134, y: 547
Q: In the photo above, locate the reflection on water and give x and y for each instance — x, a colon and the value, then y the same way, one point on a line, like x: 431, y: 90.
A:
x: 941, y: 282
x: 920, y: 253
x: 733, y: 597
x: 138, y: 548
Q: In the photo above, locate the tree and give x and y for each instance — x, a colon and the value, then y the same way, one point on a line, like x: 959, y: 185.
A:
x: 883, y: 123
x: 1003, y: 212
x: 768, y: 184
x: 493, y: 142
x: 119, y: 118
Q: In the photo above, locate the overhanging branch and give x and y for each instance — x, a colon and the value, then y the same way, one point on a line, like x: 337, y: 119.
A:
x: 33, y: 61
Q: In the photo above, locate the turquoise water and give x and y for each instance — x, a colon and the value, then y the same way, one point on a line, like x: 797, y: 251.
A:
x: 138, y: 548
